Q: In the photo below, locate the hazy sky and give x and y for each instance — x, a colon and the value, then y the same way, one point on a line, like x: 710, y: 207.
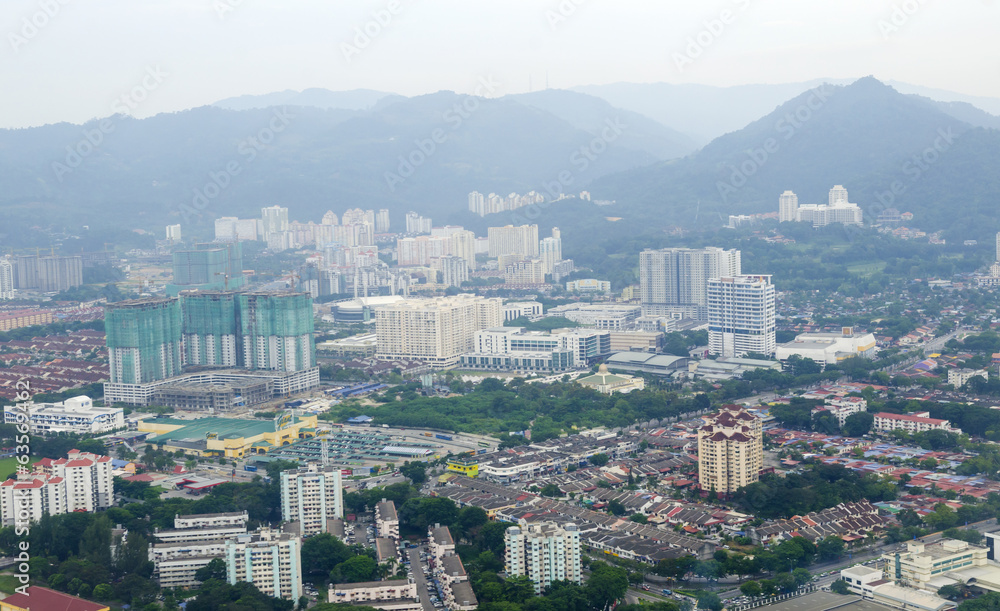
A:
x: 70, y: 60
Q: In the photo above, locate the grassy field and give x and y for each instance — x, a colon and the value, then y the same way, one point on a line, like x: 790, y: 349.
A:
x: 8, y: 582
x: 866, y: 269
x: 9, y: 466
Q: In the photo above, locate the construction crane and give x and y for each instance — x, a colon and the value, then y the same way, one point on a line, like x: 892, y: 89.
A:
x: 225, y: 282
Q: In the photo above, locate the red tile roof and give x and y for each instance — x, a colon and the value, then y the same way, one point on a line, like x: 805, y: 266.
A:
x: 37, y: 598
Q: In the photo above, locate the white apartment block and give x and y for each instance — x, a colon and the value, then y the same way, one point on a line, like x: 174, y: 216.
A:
x: 386, y: 520
x: 6, y: 278
x: 518, y: 309
x: 829, y: 348
x: 75, y: 415
x: 231, y: 229
x: 842, y: 407
x: 588, y: 285
x: 381, y: 221
x: 313, y: 496
x: 741, y: 316
x: 417, y: 224
x: 550, y: 250
x: 730, y: 451
x: 80, y: 482
x: 528, y: 271
x: 788, y: 206
x: 173, y: 233
x: 195, y: 540
x: 917, y: 422
x: 609, y: 316
x: 959, y: 377
x: 274, y: 219
x: 510, y: 240
x: 675, y: 280
x: 436, y: 330
x: 544, y: 552
x: 268, y: 559
x: 452, y: 270
x: 421, y: 249
x: 394, y: 594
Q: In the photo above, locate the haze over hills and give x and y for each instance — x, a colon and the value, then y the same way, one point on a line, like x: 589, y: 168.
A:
x: 425, y: 153
x: 866, y: 136
x: 706, y: 112
x: 355, y: 99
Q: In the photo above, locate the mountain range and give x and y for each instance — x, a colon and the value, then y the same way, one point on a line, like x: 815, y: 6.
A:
x: 317, y: 150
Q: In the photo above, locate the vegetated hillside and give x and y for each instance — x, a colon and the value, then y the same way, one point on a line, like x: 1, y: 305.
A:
x: 424, y: 153
x: 865, y: 136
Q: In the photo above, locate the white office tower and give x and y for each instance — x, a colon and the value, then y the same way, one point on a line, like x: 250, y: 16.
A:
x: 477, y: 203
x: 544, y: 552
x: 510, y: 240
x: 273, y: 220
x: 6, y: 278
x: 437, y: 330
x: 382, y: 221
x: 674, y: 281
x: 313, y: 496
x: 550, y: 250
x: 330, y: 218
x: 741, y: 316
x: 788, y: 207
x: 268, y: 559
x: 838, y: 194
x: 998, y: 247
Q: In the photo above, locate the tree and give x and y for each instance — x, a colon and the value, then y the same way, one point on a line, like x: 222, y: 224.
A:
x: 801, y: 576
x: 639, y: 518
x: 709, y: 600
x: 355, y: 569
x: 751, y: 589
x: 103, y: 592
x: 859, y: 424
x: 215, y: 569
x: 830, y: 548
x: 950, y: 591
x: 415, y: 471
x: 840, y: 587
x: 606, y: 585
x: 599, y: 460
x: 518, y: 589
x: 320, y: 553
x: 615, y: 507
x: 551, y: 490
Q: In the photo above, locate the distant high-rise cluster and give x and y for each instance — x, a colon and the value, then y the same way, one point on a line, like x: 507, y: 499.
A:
x: 674, y: 281
x: 493, y: 203
x: 837, y: 210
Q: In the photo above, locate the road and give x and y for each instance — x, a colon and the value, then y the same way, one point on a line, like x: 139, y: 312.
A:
x: 418, y: 575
